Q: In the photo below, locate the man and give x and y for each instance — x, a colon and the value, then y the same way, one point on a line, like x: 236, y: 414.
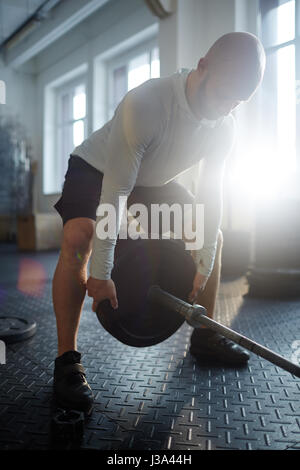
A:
x: 159, y: 130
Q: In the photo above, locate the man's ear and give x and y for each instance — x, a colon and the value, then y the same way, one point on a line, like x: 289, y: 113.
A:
x: 202, y: 67
x: 201, y: 64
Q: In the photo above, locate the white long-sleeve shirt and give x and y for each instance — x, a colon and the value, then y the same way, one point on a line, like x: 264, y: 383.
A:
x: 151, y: 139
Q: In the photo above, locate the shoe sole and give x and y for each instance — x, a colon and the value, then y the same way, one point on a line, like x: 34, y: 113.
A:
x: 66, y: 406
x: 213, y: 360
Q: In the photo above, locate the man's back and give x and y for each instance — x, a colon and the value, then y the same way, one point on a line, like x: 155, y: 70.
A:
x: 156, y: 121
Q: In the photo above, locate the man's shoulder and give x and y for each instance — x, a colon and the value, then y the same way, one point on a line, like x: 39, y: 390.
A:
x: 151, y: 98
x: 228, y: 124
x: 156, y: 89
x: 227, y: 129
x: 222, y: 138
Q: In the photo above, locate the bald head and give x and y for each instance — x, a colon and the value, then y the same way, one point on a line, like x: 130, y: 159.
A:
x: 228, y: 75
x: 238, y: 58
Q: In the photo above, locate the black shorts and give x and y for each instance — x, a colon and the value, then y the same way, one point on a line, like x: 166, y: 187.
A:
x: 82, y: 190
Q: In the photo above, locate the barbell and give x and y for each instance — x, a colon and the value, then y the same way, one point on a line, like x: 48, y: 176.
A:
x: 153, y: 279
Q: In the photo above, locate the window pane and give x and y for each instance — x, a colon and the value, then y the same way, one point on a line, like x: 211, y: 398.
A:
x: 278, y: 21
x: 65, y: 140
x: 65, y: 108
x: 79, y: 102
x: 286, y: 22
x: 138, y: 70
x: 269, y: 95
x: 155, y: 65
x: 119, y: 84
x: 65, y: 147
x: 78, y: 132
x: 286, y: 105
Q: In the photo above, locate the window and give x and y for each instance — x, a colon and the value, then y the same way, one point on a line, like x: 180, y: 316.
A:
x: 65, y: 124
x: 268, y: 144
x: 128, y: 72
x: 71, y: 122
x: 280, y: 36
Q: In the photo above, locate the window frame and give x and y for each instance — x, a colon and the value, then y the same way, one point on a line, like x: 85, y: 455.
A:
x: 51, y: 165
x: 120, y: 60
x: 59, y: 92
x: 66, y: 87
x: 275, y: 48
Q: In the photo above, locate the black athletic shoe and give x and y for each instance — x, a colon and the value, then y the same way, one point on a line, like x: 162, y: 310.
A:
x: 209, y: 346
x: 70, y: 388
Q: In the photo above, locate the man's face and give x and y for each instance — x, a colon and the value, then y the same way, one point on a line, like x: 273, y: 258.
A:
x: 216, y: 97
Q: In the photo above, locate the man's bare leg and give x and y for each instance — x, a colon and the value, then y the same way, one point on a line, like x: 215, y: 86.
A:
x: 69, y: 282
x: 70, y: 387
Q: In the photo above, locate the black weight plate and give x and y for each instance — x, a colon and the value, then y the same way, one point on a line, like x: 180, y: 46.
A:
x: 147, y: 262
x: 13, y: 329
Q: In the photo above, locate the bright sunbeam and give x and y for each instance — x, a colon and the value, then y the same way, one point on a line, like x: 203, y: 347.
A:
x: 286, y: 105
x: 263, y: 172
x: 266, y: 166
x: 285, y: 21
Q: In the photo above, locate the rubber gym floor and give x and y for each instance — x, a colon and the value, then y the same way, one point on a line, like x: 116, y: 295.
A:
x: 154, y: 398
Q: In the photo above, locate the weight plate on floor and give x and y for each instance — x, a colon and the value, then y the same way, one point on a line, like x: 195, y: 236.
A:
x: 141, y: 264
x: 13, y: 329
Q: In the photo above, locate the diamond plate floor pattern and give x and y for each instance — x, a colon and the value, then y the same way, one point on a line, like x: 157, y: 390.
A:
x: 153, y: 398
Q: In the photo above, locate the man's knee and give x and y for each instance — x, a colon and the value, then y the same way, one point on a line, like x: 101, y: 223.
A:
x: 77, y: 239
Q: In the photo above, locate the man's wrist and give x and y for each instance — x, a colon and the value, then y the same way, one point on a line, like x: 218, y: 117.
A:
x: 100, y: 280
x: 201, y: 269
x: 100, y: 274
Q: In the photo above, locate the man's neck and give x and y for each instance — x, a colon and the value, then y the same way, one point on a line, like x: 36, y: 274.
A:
x: 191, y: 87
x: 190, y: 90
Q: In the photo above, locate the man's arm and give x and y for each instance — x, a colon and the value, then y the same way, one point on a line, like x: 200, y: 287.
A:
x: 210, y: 194
x: 131, y: 132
